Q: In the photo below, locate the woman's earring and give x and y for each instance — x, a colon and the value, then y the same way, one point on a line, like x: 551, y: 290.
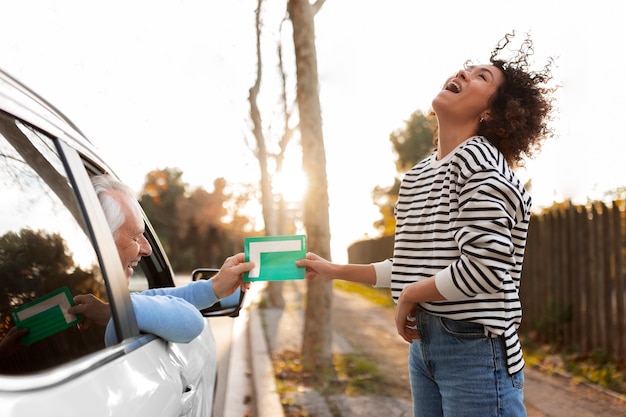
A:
x: 481, y: 119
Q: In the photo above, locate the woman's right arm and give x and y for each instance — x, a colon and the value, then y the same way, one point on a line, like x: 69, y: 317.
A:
x: 378, y: 274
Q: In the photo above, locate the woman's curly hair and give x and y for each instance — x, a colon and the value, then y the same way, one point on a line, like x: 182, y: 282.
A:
x: 522, y: 106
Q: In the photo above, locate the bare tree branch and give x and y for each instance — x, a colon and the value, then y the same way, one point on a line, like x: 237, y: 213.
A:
x: 317, y: 6
x: 257, y: 130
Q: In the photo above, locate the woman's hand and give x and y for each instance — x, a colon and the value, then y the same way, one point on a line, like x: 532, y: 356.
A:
x: 422, y: 291
x: 406, y: 321
x: 317, y: 267
x: 12, y: 341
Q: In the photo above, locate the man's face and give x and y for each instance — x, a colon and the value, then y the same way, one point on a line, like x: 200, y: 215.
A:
x: 129, y: 239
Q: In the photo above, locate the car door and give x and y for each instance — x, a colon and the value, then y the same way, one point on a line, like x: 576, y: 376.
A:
x: 55, y: 244
x: 188, y: 368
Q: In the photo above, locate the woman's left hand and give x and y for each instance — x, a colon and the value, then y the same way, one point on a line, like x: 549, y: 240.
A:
x: 406, y: 322
x: 421, y: 291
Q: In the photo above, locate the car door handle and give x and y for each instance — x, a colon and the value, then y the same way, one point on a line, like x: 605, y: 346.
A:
x: 187, y: 399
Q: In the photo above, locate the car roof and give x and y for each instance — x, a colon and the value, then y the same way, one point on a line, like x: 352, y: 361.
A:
x: 20, y: 101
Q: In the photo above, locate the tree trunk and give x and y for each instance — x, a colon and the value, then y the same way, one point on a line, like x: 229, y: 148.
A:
x: 317, y: 337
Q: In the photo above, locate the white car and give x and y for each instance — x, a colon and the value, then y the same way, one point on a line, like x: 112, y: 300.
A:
x: 55, y: 244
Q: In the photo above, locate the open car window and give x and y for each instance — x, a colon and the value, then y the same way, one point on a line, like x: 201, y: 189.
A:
x: 46, y: 256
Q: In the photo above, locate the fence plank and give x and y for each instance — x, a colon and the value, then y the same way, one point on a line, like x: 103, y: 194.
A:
x: 574, y: 278
x: 573, y: 287
x: 619, y: 242
x: 584, y: 283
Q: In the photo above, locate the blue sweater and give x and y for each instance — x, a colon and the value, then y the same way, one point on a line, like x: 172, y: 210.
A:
x: 171, y: 313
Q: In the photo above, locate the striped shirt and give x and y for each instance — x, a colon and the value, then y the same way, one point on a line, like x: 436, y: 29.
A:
x: 464, y: 220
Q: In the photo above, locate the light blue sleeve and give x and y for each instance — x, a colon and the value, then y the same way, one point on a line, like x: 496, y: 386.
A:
x: 199, y: 293
x: 169, y: 317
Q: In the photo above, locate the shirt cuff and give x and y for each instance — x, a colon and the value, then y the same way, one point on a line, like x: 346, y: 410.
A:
x: 383, y: 273
x: 446, y: 287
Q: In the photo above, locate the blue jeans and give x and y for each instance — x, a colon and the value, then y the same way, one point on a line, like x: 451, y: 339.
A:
x: 457, y: 371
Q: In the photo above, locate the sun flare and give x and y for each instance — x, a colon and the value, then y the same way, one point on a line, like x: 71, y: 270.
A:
x: 291, y: 185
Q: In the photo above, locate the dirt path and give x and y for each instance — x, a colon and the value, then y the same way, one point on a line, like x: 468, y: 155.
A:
x: 370, y: 330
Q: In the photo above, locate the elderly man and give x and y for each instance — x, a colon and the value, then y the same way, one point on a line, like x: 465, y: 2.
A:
x: 171, y: 313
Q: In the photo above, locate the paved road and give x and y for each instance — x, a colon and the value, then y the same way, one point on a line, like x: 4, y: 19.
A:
x: 222, y: 331
x: 233, y: 397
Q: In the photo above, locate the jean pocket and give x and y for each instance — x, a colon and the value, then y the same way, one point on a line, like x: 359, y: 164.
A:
x: 518, y: 379
x: 462, y: 329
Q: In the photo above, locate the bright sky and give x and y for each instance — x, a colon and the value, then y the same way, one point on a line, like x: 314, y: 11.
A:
x: 158, y: 84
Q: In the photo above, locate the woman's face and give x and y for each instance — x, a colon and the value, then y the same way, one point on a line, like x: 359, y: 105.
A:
x: 467, y: 94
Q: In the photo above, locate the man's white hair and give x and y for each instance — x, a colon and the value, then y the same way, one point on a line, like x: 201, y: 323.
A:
x: 104, y: 184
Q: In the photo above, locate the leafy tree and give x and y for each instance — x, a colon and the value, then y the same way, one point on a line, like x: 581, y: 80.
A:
x: 192, y: 224
x: 34, y: 263
x: 201, y: 210
x: 412, y: 143
x: 202, y: 229
x: 162, y: 192
x: 385, y: 198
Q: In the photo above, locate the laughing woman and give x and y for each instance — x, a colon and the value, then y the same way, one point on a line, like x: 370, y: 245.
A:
x: 461, y: 226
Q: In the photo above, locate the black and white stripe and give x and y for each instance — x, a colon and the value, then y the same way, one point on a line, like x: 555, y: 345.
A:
x: 464, y: 219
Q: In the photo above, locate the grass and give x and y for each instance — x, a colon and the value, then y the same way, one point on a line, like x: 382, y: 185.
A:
x: 353, y: 374
x: 379, y: 296
x: 596, y: 368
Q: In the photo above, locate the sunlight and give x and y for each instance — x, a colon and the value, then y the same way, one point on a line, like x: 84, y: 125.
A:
x: 291, y: 184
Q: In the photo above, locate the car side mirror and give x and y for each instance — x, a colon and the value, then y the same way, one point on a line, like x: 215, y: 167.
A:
x: 227, y: 306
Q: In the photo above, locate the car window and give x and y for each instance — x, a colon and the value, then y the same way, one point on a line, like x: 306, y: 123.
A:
x: 138, y: 281
x: 46, y: 257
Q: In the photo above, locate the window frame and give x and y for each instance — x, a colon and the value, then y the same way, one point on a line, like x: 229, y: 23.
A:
x: 114, y: 278
x: 115, y: 281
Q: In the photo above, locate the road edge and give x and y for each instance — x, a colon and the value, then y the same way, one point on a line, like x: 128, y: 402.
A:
x: 266, y: 397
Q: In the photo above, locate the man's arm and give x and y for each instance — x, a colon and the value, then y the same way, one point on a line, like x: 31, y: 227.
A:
x: 169, y: 317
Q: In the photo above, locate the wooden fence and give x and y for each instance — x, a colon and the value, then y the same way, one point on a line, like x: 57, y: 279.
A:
x: 574, y: 281
x: 574, y: 278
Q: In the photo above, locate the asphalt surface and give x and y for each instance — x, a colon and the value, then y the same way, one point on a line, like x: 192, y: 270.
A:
x: 274, y: 330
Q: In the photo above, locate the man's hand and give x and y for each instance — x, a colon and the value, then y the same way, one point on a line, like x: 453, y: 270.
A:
x: 92, y: 309
x: 230, y: 276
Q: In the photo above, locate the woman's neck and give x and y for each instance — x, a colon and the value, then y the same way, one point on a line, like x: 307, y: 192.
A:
x: 449, y: 139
